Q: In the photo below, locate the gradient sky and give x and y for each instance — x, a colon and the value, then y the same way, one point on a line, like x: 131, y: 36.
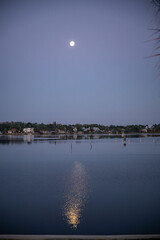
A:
x: 104, y: 79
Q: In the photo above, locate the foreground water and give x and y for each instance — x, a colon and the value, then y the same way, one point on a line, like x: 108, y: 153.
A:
x: 84, y: 186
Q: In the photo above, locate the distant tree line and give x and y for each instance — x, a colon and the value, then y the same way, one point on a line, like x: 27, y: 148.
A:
x: 53, y: 127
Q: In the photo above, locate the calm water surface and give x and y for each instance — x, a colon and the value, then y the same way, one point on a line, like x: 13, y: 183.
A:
x: 86, y: 186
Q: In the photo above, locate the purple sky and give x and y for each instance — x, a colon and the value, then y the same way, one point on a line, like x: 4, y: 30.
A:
x: 104, y: 79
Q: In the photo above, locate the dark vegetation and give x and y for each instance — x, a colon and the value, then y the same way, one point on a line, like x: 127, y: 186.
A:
x: 86, y: 128
x: 156, y: 33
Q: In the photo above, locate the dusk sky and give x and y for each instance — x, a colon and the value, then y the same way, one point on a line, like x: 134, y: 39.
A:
x: 105, y: 78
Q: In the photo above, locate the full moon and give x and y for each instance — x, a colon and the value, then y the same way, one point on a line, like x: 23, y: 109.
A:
x: 72, y: 43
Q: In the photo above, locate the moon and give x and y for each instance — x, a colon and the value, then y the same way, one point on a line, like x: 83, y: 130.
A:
x: 72, y: 43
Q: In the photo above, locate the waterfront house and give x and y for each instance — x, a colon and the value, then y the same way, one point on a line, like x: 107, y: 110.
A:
x: 61, y: 131
x: 28, y: 130
x: 144, y: 130
x: 87, y: 130
x: 75, y: 130
x: 96, y: 130
x: 12, y: 131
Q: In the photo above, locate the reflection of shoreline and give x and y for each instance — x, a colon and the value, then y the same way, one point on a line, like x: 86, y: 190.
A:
x: 30, y: 138
x: 76, y: 196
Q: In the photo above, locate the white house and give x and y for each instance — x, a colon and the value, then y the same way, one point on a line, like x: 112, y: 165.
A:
x: 61, y: 131
x: 75, y: 130
x: 96, y: 129
x: 28, y: 130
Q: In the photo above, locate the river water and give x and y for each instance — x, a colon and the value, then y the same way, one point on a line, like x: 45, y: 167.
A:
x: 92, y: 185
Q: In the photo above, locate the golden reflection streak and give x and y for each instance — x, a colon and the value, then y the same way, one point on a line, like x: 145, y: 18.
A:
x: 76, y: 196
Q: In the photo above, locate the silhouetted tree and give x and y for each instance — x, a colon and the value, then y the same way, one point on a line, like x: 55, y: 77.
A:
x: 156, y: 33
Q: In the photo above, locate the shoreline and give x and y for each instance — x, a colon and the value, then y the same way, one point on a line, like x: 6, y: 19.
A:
x: 79, y: 237
x: 82, y: 134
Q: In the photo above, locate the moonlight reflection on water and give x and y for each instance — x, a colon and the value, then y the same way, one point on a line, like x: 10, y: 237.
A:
x: 87, y: 186
x: 76, y: 197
